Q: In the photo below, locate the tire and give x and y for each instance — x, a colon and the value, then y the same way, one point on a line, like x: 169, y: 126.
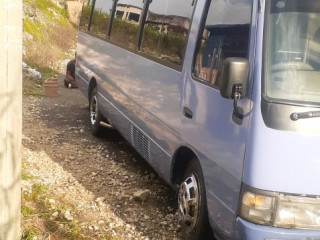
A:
x: 192, y: 204
x: 95, y: 114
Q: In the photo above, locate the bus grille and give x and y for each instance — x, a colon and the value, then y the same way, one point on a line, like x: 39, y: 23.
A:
x: 141, y: 142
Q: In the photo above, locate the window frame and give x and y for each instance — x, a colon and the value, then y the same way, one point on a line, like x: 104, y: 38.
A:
x: 199, y: 38
x: 177, y: 67
x: 137, y: 47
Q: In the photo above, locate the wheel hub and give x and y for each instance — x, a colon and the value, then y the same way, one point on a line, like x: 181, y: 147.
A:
x: 188, y: 200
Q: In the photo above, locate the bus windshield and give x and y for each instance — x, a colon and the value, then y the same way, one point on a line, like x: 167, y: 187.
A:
x: 292, y: 51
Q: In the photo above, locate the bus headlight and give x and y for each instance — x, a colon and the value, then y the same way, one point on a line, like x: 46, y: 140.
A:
x: 279, y: 210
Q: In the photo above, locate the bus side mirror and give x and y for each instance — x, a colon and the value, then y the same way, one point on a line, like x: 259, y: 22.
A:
x: 234, y: 78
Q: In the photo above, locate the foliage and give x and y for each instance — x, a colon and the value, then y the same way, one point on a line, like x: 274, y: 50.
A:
x: 29, y: 235
x: 48, y: 36
x: 124, y: 32
x: 100, y: 21
x: 85, y: 17
x: 25, y: 176
x: 162, y: 42
x: 159, y: 43
x: 51, y: 10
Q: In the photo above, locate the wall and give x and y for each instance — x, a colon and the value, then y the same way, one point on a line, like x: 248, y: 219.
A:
x: 10, y: 117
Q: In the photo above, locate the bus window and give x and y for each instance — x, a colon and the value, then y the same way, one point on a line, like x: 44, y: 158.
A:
x: 166, y: 29
x: 226, y: 34
x: 85, y: 17
x: 100, y: 17
x: 292, y: 54
x: 125, y: 25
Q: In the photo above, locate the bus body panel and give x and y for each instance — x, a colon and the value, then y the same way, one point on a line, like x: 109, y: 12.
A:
x: 218, y: 139
x: 156, y: 96
x: 111, y: 67
x: 275, y: 159
x: 220, y: 144
x: 273, y: 162
x: 250, y: 231
x: 159, y: 109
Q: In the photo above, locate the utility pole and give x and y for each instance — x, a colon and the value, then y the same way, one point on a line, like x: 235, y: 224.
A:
x: 10, y: 117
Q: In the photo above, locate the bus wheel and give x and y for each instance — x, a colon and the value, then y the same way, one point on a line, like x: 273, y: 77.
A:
x: 192, y: 203
x: 95, y: 115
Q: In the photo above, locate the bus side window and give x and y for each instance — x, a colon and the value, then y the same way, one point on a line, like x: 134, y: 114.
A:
x: 166, y: 30
x: 100, y: 18
x: 226, y: 34
x: 85, y: 17
x: 125, y: 24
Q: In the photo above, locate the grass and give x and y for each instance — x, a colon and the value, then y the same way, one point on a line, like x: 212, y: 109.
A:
x: 29, y: 235
x: 51, y: 36
x: 37, y: 217
x: 39, y: 223
x: 31, y: 87
x: 44, y: 219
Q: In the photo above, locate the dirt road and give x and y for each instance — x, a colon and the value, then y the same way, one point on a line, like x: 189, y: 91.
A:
x: 95, y: 179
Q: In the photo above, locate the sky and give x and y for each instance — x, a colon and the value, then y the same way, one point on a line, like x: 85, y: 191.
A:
x: 169, y: 7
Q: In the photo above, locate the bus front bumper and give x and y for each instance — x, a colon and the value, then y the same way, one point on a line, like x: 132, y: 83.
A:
x: 250, y: 231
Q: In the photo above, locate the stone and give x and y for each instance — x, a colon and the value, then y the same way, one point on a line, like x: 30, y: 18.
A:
x: 55, y: 214
x: 141, y: 195
x: 67, y: 215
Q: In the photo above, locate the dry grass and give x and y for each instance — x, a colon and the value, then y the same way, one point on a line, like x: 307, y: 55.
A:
x: 54, y: 46
x: 38, y: 221
x: 50, y: 37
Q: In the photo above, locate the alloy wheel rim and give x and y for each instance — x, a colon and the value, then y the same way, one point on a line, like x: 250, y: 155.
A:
x: 188, y: 202
x: 93, y: 110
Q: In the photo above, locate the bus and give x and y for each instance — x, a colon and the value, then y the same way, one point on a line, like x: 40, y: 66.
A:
x: 221, y: 98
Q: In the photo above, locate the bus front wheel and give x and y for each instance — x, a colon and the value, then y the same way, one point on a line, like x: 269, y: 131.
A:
x: 192, y: 203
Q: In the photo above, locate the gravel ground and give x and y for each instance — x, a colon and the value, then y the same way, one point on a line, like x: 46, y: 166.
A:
x: 97, y: 179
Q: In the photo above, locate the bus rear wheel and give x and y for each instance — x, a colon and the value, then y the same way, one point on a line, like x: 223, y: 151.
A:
x: 192, y: 203
x: 95, y: 114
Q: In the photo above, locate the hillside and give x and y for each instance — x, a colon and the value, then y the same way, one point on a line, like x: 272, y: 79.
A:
x: 49, y: 37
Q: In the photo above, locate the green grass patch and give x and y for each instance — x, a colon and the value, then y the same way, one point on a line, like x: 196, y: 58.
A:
x: 38, y: 190
x: 26, y: 211
x: 26, y: 176
x: 30, y: 234
x: 35, y: 29
x: 31, y: 88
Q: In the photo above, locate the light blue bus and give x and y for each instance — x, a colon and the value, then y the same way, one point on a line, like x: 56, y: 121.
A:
x: 222, y: 99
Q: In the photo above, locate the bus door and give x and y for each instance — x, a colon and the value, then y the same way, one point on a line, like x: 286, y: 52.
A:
x: 217, y: 134
x: 157, y: 82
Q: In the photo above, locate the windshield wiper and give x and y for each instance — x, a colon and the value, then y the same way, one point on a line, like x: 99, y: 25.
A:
x: 303, y: 115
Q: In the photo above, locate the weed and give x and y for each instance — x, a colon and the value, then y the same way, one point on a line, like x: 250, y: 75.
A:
x: 29, y: 235
x: 26, y: 210
x: 36, y: 206
x: 26, y: 176
x: 31, y: 88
